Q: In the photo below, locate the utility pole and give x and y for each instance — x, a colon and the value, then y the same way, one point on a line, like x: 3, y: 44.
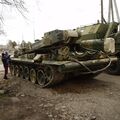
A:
x: 22, y: 36
x: 33, y: 30
x: 33, y: 33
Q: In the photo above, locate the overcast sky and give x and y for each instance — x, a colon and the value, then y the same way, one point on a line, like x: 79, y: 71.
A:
x: 47, y: 15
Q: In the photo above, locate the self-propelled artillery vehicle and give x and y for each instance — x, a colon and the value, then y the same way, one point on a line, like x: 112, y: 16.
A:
x: 62, y: 54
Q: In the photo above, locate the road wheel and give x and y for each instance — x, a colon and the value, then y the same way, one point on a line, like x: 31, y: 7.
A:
x: 33, y: 75
x: 16, y: 70
x: 26, y: 73
x: 21, y: 72
x: 49, y: 73
x: 48, y: 76
x: 12, y: 69
x: 41, y: 78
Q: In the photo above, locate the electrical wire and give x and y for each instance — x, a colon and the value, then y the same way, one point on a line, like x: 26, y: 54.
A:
x: 87, y: 68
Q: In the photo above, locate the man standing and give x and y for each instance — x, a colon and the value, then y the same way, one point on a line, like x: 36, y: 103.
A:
x: 5, y: 60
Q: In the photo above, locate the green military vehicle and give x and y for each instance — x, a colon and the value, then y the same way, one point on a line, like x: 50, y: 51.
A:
x: 62, y: 54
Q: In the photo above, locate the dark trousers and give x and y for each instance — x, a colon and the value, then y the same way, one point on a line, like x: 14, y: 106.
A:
x: 6, y: 71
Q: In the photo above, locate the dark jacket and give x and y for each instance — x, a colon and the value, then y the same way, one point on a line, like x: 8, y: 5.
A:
x: 5, y: 59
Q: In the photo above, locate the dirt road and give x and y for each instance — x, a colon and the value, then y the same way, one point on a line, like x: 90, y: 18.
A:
x: 1, y: 67
x: 77, y: 99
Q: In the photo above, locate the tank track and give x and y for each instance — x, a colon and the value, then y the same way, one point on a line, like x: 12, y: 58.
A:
x: 44, y: 75
x: 49, y: 73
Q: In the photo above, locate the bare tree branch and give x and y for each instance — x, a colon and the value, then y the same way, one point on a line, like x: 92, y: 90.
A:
x: 1, y: 18
x: 5, y: 2
x: 20, y: 7
x: 18, y: 4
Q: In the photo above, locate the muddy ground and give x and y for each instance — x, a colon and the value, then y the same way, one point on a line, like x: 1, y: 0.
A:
x: 76, y: 99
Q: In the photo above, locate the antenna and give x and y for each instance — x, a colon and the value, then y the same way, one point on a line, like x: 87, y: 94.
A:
x: 102, y: 12
x: 112, y: 7
x: 116, y: 9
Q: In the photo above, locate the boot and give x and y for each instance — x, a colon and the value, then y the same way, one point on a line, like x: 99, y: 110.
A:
x: 5, y: 77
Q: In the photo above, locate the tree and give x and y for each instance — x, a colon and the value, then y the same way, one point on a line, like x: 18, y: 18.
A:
x: 11, y: 44
x: 14, y: 44
x: 23, y: 44
x: 17, y: 4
